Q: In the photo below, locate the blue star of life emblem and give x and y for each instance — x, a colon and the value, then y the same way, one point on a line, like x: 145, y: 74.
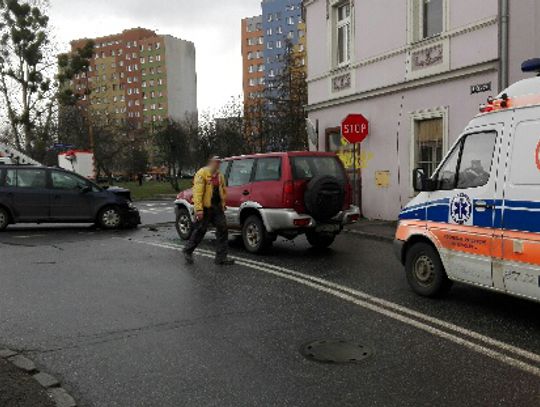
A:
x: 461, y: 209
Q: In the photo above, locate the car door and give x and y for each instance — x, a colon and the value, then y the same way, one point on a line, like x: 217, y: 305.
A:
x: 27, y: 189
x: 519, y: 264
x: 267, y: 188
x: 460, y: 213
x: 239, y: 188
x: 71, y: 197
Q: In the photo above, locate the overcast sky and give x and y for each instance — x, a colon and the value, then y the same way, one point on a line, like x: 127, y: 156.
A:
x: 213, y: 25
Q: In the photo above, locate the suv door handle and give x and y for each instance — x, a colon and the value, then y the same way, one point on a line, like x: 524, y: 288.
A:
x: 245, y: 193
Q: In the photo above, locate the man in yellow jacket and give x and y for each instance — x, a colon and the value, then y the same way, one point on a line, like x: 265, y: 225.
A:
x: 209, y: 199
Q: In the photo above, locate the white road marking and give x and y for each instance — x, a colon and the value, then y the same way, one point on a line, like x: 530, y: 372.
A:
x: 389, y: 309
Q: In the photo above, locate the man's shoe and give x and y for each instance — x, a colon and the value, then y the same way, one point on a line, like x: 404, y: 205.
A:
x: 225, y: 262
x: 188, y: 257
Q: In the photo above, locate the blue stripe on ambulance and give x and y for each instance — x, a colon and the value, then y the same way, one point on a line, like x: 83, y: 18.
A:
x: 521, y: 216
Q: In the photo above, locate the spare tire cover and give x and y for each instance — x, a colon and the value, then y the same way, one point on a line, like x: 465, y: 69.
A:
x: 324, y: 198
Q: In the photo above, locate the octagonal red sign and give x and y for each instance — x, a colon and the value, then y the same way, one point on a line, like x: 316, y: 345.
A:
x: 355, y: 128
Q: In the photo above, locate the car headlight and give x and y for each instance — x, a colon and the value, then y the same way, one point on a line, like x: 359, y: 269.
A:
x: 131, y: 205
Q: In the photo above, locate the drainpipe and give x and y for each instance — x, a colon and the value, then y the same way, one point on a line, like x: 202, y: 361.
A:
x: 504, y: 19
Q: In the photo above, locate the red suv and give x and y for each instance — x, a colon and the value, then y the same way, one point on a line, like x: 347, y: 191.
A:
x: 281, y: 194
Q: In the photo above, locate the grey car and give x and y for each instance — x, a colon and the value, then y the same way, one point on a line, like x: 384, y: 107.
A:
x: 30, y: 194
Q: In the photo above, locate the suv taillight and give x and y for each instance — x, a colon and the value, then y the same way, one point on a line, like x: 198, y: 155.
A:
x: 288, y: 194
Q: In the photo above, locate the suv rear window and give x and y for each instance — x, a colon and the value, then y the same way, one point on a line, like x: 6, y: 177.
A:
x: 306, y: 168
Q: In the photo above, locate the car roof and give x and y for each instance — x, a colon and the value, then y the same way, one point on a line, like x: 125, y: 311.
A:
x: 283, y: 154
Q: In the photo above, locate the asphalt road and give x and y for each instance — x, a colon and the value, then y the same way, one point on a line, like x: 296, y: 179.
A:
x: 120, y: 319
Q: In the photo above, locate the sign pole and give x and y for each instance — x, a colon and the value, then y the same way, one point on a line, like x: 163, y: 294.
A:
x: 354, y: 174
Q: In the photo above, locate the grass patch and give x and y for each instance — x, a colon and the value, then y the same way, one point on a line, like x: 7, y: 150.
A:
x: 152, y: 189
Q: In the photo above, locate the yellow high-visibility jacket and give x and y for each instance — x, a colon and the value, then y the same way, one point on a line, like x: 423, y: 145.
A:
x: 203, y: 189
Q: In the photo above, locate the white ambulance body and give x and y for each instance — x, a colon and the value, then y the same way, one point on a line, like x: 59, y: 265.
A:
x: 476, y: 220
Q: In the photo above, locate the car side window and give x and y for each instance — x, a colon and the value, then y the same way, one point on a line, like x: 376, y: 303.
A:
x: 11, y: 178
x: 469, y: 164
x: 62, y: 180
x: 31, y: 178
x: 240, y: 172
x: 268, y: 169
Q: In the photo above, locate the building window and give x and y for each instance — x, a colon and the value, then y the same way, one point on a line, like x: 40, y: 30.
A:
x: 428, y: 18
x: 343, y: 33
x: 432, y: 18
x: 429, y: 139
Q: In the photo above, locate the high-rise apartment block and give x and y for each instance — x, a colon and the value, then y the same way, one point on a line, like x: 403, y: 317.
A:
x: 139, y: 77
x: 280, y: 26
x: 265, y: 39
x: 253, y: 57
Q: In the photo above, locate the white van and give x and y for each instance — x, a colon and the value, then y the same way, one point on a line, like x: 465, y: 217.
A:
x: 6, y: 161
x: 476, y: 220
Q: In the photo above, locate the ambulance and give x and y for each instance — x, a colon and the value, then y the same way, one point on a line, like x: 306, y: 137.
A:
x: 476, y: 220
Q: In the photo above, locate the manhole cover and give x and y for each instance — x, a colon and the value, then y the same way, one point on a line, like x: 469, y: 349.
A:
x: 335, y: 351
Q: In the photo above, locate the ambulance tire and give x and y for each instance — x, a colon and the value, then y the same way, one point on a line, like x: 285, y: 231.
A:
x: 425, y: 271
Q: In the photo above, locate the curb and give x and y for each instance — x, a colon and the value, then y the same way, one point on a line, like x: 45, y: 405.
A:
x: 368, y: 235
x: 52, y: 386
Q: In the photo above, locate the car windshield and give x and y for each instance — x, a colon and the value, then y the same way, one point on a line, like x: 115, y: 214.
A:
x: 305, y: 168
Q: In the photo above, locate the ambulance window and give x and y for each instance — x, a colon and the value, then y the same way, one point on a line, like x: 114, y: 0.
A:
x: 525, y: 168
x: 446, y: 177
x: 476, y: 160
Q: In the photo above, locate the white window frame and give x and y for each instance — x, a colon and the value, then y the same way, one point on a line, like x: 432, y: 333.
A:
x: 335, y: 25
x: 416, y: 20
x: 427, y: 114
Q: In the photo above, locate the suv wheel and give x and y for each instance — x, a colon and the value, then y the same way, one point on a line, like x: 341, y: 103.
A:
x: 425, y: 271
x: 254, y: 235
x: 184, y: 224
x: 320, y: 240
x: 4, y: 219
x: 110, y: 218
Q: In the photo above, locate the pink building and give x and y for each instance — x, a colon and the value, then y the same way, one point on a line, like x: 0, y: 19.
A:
x: 418, y: 70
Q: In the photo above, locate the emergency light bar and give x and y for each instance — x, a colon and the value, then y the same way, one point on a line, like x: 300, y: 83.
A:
x: 531, y: 65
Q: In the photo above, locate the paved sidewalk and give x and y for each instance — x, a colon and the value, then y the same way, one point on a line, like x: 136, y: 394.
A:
x: 375, y: 229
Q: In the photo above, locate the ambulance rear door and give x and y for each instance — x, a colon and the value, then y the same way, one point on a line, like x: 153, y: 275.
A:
x: 463, y: 214
x: 518, y: 269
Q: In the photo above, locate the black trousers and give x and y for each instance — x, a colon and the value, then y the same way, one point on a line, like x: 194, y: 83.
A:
x: 212, y: 216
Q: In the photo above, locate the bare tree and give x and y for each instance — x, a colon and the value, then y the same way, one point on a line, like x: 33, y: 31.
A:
x: 25, y: 79
x: 287, y: 97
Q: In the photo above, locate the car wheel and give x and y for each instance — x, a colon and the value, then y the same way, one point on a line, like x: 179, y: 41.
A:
x: 320, y: 240
x: 184, y: 224
x: 425, y: 271
x: 254, y: 235
x: 110, y: 218
x: 4, y: 219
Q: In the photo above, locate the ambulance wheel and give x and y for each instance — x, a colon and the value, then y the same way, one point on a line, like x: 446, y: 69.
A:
x: 425, y: 271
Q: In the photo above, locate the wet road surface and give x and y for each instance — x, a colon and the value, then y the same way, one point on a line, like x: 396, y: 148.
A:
x: 123, y: 322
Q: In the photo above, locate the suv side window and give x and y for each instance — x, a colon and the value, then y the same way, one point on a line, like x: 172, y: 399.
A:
x: 66, y: 181
x: 469, y: 165
x: 225, y: 166
x: 241, y: 171
x: 11, y: 178
x: 268, y: 169
x: 29, y: 178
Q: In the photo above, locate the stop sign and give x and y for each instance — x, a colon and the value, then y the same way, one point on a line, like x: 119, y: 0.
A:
x: 355, y: 128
